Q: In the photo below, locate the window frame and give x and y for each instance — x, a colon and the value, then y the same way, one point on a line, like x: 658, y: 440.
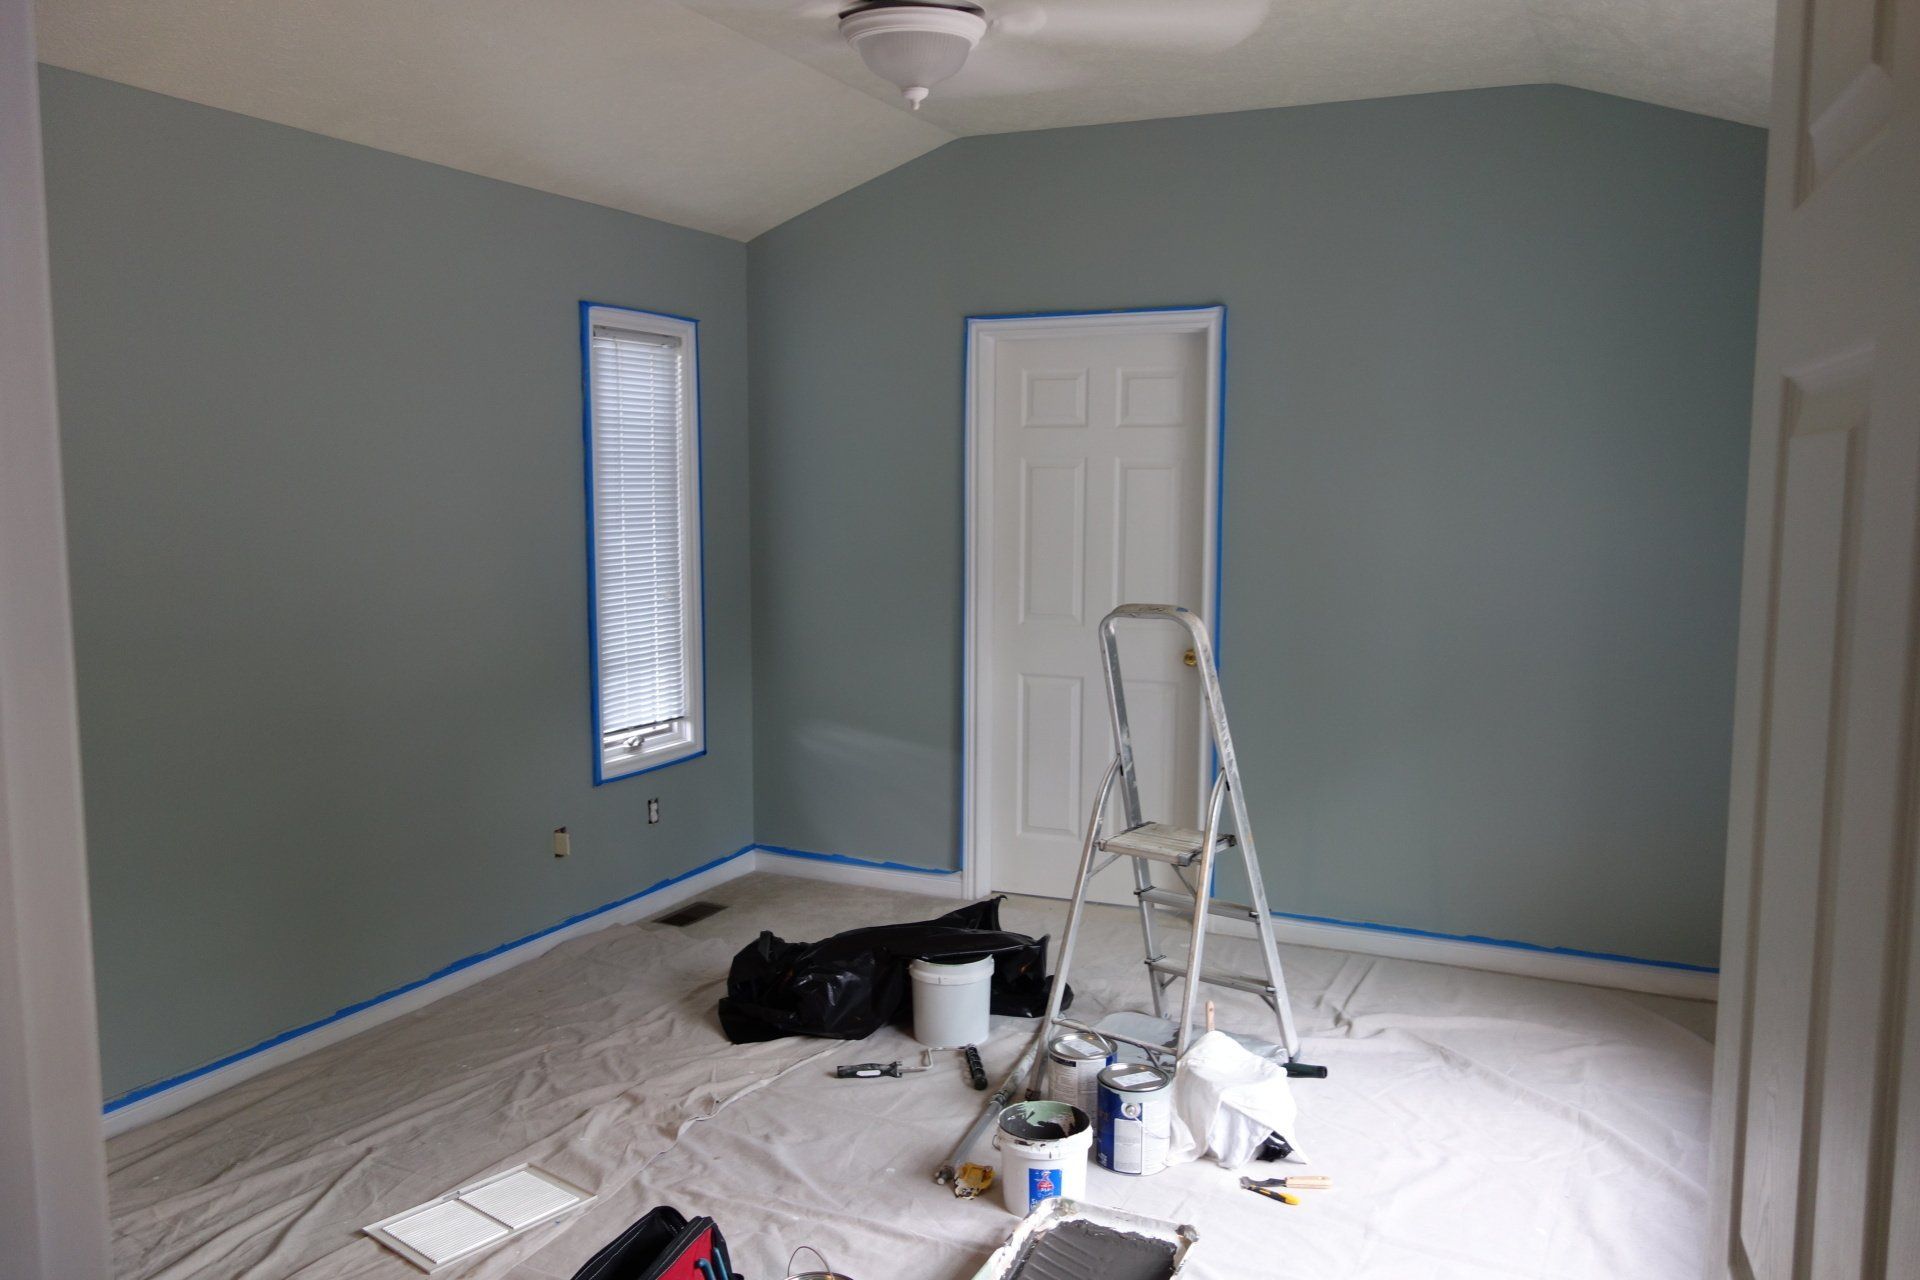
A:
x: 691, y: 742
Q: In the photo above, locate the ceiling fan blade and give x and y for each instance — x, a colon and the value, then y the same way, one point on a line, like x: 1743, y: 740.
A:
x: 1007, y: 69
x: 807, y: 28
x: 1196, y: 26
x: 805, y: 10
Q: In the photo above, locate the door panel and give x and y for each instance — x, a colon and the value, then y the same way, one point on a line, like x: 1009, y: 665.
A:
x: 1151, y: 555
x: 1053, y: 544
x: 1099, y: 445
x: 1817, y: 1077
x: 1050, y: 733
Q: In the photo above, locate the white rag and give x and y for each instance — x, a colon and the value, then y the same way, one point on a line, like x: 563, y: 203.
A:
x: 1226, y: 1100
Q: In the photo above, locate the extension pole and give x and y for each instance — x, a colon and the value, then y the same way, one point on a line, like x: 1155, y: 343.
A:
x: 947, y: 1172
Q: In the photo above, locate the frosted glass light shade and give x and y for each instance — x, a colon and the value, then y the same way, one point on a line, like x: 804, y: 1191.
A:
x: 913, y: 46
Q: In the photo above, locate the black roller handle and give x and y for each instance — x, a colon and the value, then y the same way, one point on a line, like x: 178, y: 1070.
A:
x: 977, y: 1073
x: 868, y: 1071
x: 1306, y: 1071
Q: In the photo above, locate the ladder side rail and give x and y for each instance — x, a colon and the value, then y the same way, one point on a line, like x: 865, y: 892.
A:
x: 1282, y: 1006
x: 1117, y: 710
x: 1116, y: 696
x: 1216, y: 705
x: 1243, y: 830
x: 1249, y: 852
x: 1072, y: 934
x: 1190, y: 998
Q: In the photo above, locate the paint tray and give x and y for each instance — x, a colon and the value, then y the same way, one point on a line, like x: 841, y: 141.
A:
x: 1018, y: 1258
x: 478, y: 1216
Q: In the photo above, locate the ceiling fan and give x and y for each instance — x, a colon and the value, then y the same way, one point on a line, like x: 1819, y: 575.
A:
x: 1006, y: 46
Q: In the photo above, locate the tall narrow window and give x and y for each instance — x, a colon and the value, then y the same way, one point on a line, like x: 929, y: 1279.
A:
x: 643, y: 487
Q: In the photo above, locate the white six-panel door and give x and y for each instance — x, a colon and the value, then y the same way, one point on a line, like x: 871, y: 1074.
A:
x: 1817, y: 1084
x: 1093, y: 442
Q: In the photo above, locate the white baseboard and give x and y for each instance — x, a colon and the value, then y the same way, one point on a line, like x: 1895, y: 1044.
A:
x: 170, y: 1096
x: 184, y: 1091
x: 1493, y: 957
x: 857, y: 871
x: 1399, y: 944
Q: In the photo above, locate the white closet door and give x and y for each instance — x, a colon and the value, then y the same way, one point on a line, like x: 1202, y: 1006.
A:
x: 1097, y: 498
x: 1817, y: 1087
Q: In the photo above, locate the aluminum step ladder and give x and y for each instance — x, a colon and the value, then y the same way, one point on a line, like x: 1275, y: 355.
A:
x: 1190, y: 853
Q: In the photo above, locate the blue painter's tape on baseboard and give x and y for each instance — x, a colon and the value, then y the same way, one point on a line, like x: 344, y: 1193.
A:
x: 1402, y: 930
x: 1479, y: 940
x: 160, y: 1086
x: 844, y: 860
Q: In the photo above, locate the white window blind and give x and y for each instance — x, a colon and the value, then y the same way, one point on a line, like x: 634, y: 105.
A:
x: 644, y: 572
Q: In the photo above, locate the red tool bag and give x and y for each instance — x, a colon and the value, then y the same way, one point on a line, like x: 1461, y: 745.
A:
x: 663, y: 1246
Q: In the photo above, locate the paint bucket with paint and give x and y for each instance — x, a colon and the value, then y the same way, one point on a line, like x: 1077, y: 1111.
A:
x: 950, y: 1002
x: 1074, y: 1064
x: 1043, y: 1153
x: 1136, y: 1118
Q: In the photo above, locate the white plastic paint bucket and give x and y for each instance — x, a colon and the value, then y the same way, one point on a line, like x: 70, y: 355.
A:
x: 1043, y: 1150
x: 950, y: 1002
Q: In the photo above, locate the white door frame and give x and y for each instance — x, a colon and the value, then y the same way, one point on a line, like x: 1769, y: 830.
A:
x: 53, y: 1193
x: 983, y: 334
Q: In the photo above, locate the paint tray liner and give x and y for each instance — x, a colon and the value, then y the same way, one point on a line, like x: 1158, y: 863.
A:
x: 478, y: 1216
x: 1070, y: 1240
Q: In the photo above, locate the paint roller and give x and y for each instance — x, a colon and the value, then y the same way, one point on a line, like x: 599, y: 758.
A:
x: 1001, y: 1099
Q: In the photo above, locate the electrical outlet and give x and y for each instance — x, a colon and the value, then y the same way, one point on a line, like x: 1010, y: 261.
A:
x: 653, y: 812
x: 562, y: 845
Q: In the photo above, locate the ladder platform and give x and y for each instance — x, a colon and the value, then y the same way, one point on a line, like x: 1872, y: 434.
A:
x: 1178, y: 846
x: 1213, y: 977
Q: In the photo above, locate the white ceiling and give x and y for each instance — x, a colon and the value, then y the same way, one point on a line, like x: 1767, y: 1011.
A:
x: 734, y: 115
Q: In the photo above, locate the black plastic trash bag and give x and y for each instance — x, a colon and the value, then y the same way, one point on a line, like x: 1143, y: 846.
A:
x: 854, y: 983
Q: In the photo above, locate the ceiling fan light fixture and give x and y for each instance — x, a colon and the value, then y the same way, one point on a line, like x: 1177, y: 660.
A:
x: 913, y: 46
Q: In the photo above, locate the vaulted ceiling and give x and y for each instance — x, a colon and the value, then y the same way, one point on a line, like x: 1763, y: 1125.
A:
x: 734, y: 115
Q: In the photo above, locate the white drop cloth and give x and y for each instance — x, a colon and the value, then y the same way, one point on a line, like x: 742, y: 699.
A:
x: 1475, y: 1124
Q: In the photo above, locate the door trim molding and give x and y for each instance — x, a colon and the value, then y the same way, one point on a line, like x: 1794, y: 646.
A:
x: 982, y: 335
x: 53, y: 1186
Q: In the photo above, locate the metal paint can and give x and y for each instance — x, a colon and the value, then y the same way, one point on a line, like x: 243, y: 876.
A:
x: 1074, y: 1064
x: 1136, y: 1118
x: 828, y: 1274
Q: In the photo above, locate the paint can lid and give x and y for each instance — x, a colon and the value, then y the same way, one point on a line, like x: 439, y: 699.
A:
x: 1080, y: 1046
x: 944, y: 974
x: 1134, y: 1077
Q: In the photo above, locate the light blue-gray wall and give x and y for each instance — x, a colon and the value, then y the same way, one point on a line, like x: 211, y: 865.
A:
x: 1489, y: 356
x: 1488, y: 386
x: 321, y: 419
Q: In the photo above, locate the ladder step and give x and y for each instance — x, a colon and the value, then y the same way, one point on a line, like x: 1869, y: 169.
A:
x: 1237, y: 981
x: 1182, y: 904
x: 1179, y: 846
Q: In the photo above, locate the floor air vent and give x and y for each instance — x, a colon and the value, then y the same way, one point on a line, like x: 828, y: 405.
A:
x: 465, y: 1221
x: 691, y: 913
